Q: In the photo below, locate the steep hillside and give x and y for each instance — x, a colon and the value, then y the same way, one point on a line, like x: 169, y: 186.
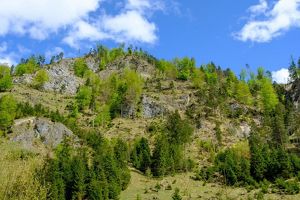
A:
x: 89, y: 119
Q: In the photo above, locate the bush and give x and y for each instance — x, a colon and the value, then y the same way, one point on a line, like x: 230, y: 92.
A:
x: 28, y: 67
x: 8, y: 107
x: 288, y: 187
x: 5, y: 78
x: 185, y: 68
x: 80, y: 67
x: 176, y: 195
x: 84, y: 97
x: 40, y: 78
x: 103, y: 117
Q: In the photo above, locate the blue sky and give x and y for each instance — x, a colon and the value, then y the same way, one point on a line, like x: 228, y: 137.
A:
x: 228, y: 32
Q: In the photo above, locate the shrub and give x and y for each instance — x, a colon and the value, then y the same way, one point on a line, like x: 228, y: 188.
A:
x: 40, y: 78
x: 80, y: 67
x: 84, y: 97
x: 5, y: 78
x: 288, y: 187
x: 103, y: 117
x: 185, y: 67
x: 28, y: 67
x: 176, y: 195
x: 8, y: 109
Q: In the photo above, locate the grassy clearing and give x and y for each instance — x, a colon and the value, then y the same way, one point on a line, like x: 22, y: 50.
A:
x: 163, y: 189
x: 17, y: 173
x: 51, y: 100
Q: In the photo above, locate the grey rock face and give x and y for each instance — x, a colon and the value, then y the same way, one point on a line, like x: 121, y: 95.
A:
x: 294, y: 92
x: 62, y: 78
x: 244, y: 130
x: 25, y: 79
x: 128, y: 110
x: 31, y: 131
x: 92, y: 63
x: 140, y: 66
x: 151, y: 108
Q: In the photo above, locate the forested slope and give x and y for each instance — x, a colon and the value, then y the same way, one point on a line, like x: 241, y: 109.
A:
x: 130, y: 112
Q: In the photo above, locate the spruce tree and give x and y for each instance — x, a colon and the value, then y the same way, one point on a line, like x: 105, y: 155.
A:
x: 160, y: 158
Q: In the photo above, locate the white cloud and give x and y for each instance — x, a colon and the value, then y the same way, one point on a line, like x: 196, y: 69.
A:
x: 8, y: 61
x: 84, y: 31
x: 79, y: 20
x: 260, y: 8
x: 143, y: 6
x: 284, y: 15
x: 130, y: 26
x: 281, y: 76
x: 39, y: 17
x: 6, y: 58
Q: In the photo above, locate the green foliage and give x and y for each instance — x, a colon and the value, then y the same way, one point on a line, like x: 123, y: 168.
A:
x: 103, y: 117
x: 234, y: 167
x: 185, y: 67
x: 84, y: 97
x: 258, y: 157
x: 28, y: 67
x: 160, y: 158
x: 176, y: 195
x: 121, y: 152
x: 179, y: 131
x: 198, y: 79
x: 230, y: 84
x: 8, y: 107
x: 134, y: 86
x: 83, y: 174
x: 294, y: 70
x: 107, y: 56
x: 5, y: 78
x: 167, y: 68
x: 80, y: 67
x: 40, y: 78
x: 141, y: 155
x: 167, y: 155
x: 218, y: 133
x: 288, y: 187
x: 267, y: 96
x: 243, y: 93
x: 279, y: 131
x: 125, y: 92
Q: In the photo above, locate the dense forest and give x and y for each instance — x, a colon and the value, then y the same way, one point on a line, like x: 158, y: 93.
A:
x: 95, y: 166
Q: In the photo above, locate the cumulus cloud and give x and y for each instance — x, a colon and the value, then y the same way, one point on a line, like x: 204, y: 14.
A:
x: 8, y: 61
x: 79, y: 20
x: 130, y: 26
x: 84, y: 31
x: 39, y: 17
x: 267, y: 22
x: 281, y: 76
x: 6, y: 58
x: 260, y: 8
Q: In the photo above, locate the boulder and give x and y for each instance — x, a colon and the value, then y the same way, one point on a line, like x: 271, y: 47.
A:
x: 62, y: 78
x: 33, y: 131
x: 151, y: 108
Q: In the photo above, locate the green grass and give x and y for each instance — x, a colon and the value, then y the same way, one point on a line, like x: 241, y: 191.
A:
x: 17, y: 173
x: 190, y: 189
x: 50, y: 100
